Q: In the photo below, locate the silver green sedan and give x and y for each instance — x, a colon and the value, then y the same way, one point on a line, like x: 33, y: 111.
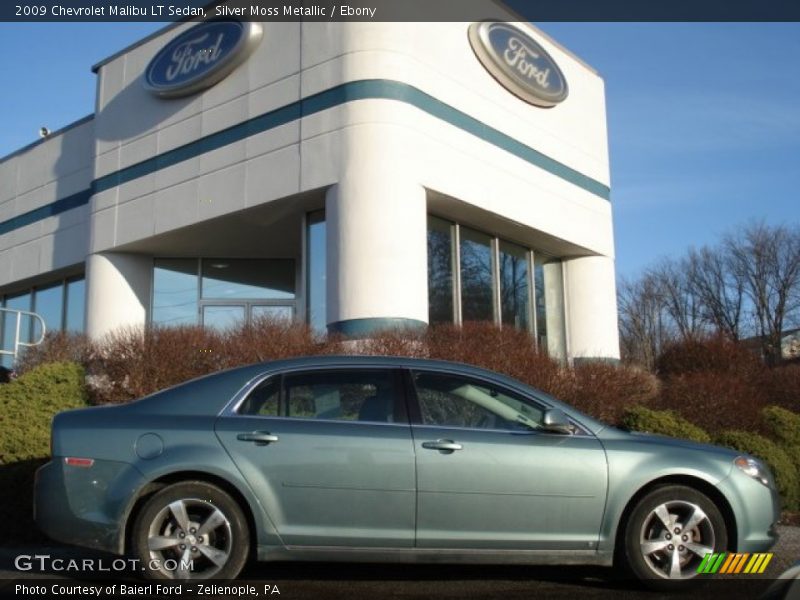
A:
x: 390, y: 459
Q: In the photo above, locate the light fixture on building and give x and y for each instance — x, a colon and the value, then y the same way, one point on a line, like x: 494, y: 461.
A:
x: 44, y: 132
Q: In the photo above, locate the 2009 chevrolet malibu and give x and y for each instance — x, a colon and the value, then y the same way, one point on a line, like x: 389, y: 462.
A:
x: 389, y: 459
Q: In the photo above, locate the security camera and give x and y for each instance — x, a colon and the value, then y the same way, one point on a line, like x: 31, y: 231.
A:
x: 44, y: 132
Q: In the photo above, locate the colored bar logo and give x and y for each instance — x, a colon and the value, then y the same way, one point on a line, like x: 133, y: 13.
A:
x: 731, y: 564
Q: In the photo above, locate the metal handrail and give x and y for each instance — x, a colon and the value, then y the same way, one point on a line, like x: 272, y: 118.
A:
x: 17, y: 343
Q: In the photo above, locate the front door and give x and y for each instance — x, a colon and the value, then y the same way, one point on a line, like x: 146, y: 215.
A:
x: 488, y: 479
x: 330, y: 456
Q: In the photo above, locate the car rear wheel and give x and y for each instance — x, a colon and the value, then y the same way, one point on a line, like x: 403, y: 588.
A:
x: 668, y: 534
x: 191, y: 530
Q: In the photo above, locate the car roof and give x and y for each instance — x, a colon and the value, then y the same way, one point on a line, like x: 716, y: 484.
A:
x: 210, y: 393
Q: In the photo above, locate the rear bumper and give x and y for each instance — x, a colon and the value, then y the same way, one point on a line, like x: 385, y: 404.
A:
x: 85, y: 506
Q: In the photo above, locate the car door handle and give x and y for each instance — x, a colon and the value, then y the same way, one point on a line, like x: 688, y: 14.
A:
x: 261, y: 438
x: 444, y: 445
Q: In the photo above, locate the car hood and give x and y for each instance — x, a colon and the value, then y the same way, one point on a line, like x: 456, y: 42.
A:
x: 611, y: 433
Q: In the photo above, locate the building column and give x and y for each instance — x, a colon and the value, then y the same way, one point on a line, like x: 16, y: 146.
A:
x: 117, y: 291
x: 591, y: 308
x: 377, y: 270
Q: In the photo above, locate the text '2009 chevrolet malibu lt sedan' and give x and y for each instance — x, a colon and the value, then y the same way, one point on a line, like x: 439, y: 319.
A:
x: 393, y: 459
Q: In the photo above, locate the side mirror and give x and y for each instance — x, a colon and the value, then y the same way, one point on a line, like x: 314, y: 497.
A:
x: 555, y: 421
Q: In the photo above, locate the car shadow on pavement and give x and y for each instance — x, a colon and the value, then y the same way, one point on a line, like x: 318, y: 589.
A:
x: 588, y: 576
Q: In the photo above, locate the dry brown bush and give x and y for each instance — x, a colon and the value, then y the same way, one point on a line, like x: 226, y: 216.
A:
x: 782, y: 386
x: 266, y: 339
x: 133, y: 362
x: 715, y: 401
x: 716, y: 354
x: 606, y: 391
x: 57, y: 347
x: 508, y: 351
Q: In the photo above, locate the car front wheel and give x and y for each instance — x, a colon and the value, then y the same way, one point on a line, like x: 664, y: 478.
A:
x: 669, y: 533
x: 191, y: 530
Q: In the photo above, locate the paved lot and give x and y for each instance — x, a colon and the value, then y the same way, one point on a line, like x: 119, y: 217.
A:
x: 446, y: 582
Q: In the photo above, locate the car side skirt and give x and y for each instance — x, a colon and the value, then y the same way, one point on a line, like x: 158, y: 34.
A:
x: 435, y: 555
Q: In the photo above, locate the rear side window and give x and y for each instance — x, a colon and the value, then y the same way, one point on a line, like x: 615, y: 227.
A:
x: 344, y: 395
x: 264, y: 400
x: 349, y: 395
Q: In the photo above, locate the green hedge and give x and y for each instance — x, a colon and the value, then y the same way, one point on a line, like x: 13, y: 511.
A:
x: 27, y: 406
x: 785, y: 471
x: 664, y: 422
x: 785, y: 427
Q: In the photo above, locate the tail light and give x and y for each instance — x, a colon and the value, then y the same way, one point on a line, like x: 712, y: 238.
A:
x: 73, y: 461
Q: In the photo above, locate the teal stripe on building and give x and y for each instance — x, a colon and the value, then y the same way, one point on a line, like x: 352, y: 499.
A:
x: 373, y: 89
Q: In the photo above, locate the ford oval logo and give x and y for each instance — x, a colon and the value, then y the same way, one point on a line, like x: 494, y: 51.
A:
x: 518, y: 62
x: 200, y: 57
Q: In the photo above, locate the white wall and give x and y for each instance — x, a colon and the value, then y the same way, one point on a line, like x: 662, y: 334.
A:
x: 34, y: 177
x: 298, y: 60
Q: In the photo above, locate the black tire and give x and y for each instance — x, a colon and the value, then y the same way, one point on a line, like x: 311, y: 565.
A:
x: 665, y: 558
x: 209, y: 534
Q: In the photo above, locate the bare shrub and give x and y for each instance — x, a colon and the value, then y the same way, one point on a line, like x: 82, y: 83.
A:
x: 606, y: 391
x: 133, y: 362
x: 389, y: 342
x: 715, y: 400
x: 266, y: 339
x: 782, y: 386
x: 508, y: 351
x: 58, y: 346
x: 715, y: 354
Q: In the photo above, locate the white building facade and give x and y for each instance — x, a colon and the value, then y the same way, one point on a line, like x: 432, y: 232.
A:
x: 356, y: 176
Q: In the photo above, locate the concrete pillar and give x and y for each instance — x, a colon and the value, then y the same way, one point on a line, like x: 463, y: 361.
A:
x: 591, y: 307
x: 377, y: 240
x: 117, y: 291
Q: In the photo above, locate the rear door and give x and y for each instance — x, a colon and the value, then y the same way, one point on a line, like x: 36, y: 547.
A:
x: 488, y: 479
x: 330, y: 456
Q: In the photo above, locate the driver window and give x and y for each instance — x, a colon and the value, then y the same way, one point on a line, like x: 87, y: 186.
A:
x: 453, y: 401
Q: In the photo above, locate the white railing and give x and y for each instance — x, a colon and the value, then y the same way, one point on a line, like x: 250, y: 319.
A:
x: 17, y: 329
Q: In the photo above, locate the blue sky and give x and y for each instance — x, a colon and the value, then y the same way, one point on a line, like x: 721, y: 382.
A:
x: 703, y: 119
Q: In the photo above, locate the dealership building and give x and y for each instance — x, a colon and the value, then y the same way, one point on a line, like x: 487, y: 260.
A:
x: 356, y: 176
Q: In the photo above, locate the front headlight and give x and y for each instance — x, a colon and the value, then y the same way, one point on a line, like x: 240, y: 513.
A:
x: 753, y: 468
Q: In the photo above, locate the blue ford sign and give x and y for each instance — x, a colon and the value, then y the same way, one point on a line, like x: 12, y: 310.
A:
x: 200, y: 57
x: 518, y: 62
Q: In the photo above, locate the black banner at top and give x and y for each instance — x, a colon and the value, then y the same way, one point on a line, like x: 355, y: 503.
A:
x: 399, y: 10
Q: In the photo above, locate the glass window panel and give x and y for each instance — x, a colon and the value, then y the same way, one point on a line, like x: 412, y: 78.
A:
x: 349, y: 396
x: 263, y: 401
x: 76, y: 305
x: 275, y: 313
x: 440, y: 271
x: 223, y: 317
x: 550, y: 327
x: 317, y: 271
x: 514, y: 296
x: 476, y: 276
x: 18, y: 302
x: 225, y: 278
x: 48, y: 304
x: 175, y: 291
x: 453, y: 401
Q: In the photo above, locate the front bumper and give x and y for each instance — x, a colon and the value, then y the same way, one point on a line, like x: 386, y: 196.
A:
x: 85, y: 506
x: 756, y: 508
